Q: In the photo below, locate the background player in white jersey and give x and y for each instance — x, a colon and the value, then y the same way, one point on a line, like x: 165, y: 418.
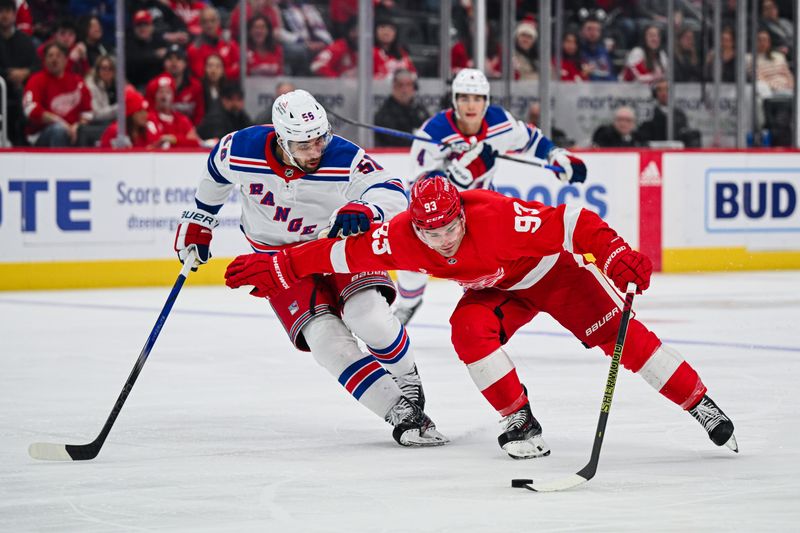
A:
x: 471, y: 135
x: 296, y: 179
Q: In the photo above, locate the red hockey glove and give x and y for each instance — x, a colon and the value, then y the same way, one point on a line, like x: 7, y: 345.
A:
x: 623, y: 265
x: 574, y: 167
x: 354, y: 218
x: 270, y: 274
x: 194, y: 232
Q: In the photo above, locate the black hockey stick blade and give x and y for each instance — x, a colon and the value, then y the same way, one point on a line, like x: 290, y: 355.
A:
x: 588, y: 471
x: 48, y: 451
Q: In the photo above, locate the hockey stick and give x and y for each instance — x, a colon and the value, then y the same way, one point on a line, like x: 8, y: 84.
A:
x: 48, y: 451
x: 587, y: 472
x: 412, y: 137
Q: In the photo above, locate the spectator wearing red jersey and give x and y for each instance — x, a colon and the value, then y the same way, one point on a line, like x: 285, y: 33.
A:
x: 189, y: 98
x: 140, y: 131
x: 55, y: 101
x: 176, y: 128
x: 647, y: 63
x: 266, y: 8
x: 389, y: 56
x: 572, y: 69
x: 340, y: 59
x: 189, y: 13
x: 208, y: 42
x: 264, y: 53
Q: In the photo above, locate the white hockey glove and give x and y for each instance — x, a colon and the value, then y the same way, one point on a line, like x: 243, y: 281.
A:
x: 472, y: 164
x: 574, y: 167
x: 194, y: 233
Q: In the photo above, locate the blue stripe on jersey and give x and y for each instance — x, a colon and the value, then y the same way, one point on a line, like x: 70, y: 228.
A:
x: 253, y: 169
x: 495, y: 115
x: 438, y: 127
x: 314, y: 177
x: 339, y: 153
x: 213, y: 209
x: 212, y: 167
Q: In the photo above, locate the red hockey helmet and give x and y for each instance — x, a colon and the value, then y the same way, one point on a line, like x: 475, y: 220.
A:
x: 435, y: 202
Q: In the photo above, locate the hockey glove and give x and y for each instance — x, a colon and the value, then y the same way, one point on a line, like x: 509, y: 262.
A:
x: 623, y: 265
x: 574, y: 167
x: 472, y: 164
x: 354, y: 218
x: 268, y: 273
x: 194, y: 233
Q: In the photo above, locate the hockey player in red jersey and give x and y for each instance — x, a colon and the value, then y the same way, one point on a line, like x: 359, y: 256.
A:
x: 514, y: 259
x: 465, y: 141
x: 297, y: 180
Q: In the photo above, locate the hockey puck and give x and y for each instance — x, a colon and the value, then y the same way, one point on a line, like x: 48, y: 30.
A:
x: 520, y: 483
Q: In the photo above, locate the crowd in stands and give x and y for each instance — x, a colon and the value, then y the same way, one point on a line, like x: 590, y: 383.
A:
x: 183, y: 56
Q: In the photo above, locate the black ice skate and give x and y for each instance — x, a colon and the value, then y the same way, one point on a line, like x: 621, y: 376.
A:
x: 412, y: 427
x: 718, y: 426
x: 522, y: 438
x: 411, y: 385
x: 404, y: 314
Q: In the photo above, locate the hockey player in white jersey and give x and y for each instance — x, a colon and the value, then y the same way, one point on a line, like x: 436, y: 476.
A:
x: 297, y: 180
x: 470, y: 136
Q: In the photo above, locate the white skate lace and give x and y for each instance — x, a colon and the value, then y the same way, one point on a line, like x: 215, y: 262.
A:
x: 515, y: 420
x: 708, y: 415
x: 410, y: 384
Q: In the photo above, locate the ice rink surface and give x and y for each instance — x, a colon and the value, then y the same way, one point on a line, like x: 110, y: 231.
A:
x: 230, y: 429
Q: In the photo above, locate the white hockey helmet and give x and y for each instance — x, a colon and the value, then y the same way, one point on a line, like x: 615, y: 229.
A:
x: 297, y: 116
x: 470, y: 81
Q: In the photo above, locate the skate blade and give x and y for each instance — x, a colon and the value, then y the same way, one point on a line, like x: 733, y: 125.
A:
x: 732, y: 444
x: 527, y: 449
x: 431, y: 437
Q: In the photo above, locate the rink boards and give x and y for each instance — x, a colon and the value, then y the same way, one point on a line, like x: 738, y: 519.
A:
x: 105, y: 219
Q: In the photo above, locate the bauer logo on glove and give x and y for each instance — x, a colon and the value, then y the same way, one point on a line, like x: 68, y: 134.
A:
x: 194, y: 233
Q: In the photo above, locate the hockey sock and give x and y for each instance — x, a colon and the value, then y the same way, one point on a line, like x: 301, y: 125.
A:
x: 496, y: 378
x: 668, y: 373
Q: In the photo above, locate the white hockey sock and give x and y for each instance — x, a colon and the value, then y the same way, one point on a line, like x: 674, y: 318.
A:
x: 335, y: 349
x: 368, y: 316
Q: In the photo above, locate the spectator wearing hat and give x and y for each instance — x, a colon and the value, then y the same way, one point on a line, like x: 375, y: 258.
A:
x: 209, y: 42
x: 167, y: 24
x: 401, y: 110
x: 176, y: 128
x: 17, y: 60
x: 388, y: 54
x: 229, y: 116
x: 55, y: 101
x: 144, y: 49
x: 140, y: 130
x: 189, y: 94
x: 523, y: 58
